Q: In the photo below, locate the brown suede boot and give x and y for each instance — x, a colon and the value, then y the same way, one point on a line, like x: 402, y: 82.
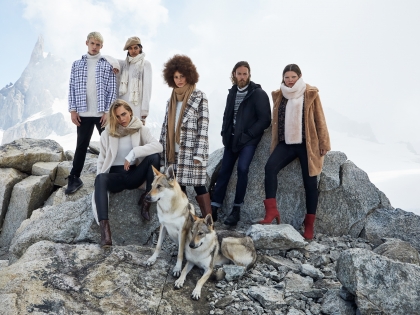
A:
x: 106, y: 240
x: 204, y: 203
x: 144, y: 206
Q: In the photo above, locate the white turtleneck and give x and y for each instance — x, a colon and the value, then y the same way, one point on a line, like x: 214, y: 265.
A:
x: 91, y: 93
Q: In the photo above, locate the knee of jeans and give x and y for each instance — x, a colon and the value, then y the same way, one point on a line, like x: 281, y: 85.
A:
x: 100, y: 179
x: 154, y: 159
x: 243, y: 170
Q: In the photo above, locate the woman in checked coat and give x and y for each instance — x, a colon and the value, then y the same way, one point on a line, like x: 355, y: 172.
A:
x: 184, y: 131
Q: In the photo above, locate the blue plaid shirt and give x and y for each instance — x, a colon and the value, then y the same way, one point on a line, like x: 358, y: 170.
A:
x: 106, y: 85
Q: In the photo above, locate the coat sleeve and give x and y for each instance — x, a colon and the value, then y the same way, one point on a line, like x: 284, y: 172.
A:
x: 321, y: 126
x: 162, y: 139
x: 148, y: 146
x: 263, y: 112
x: 103, y: 143
x: 225, y: 116
x: 202, y: 140
x: 147, y: 88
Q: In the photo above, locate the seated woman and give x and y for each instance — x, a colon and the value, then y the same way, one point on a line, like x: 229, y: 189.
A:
x: 184, y: 131
x: 128, y: 151
x: 299, y: 131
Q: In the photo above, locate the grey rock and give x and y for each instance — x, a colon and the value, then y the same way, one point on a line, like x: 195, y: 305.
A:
x: 345, y: 294
x: 321, y: 260
x: 280, y: 262
x: 269, y: 298
x: 282, y: 236
x: 73, y: 222
x: 343, y: 210
x: 333, y: 304
x: 69, y: 155
x: 27, y: 195
x: 21, y: 154
x: 297, y: 283
x: 315, y: 247
x: 398, y: 250
x: 64, y: 168
x: 311, y: 271
x: 8, y: 179
x: 233, y: 272
x: 330, y: 176
x: 3, y: 264
x: 293, y: 311
x: 313, y: 293
x: 8, y: 304
x: 95, y: 147
x: 45, y: 168
x: 85, y: 279
x: 384, y: 223
x: 379, y: 283
x: 224, y: 302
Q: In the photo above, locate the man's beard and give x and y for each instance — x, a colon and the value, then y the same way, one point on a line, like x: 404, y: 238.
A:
x: 241, y: 84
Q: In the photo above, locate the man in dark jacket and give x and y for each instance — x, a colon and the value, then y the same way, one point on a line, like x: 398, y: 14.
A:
x: 247, y: 115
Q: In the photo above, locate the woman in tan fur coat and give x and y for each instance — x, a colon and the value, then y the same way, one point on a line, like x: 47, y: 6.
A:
x: 299, y: 131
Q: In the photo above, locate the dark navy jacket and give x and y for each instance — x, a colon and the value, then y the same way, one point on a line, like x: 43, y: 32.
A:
x: 252, y: 118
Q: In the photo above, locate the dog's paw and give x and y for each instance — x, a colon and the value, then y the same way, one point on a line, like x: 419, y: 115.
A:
x: 151, y: 261
x: 179, y: 283
x: 176, y: 271
x: 195, y: 295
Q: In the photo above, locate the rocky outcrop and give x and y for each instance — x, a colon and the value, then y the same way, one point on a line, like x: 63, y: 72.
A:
x: 38, y: 128
x: 346, y: 194
x: 22, y: 154
x: 380, y: 285
x: 281, y: 236
x: 398, y: 250
x: 43, y: 80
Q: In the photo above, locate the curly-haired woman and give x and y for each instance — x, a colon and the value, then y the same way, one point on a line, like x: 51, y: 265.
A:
x: 184, y: 131
x: 299, y: 131
x: 128, y: 151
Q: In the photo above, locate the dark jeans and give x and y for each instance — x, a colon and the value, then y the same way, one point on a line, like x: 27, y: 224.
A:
x: 199, y: 190
x: 118, y: 179
x: 282, y: 155
x: 84, y: 133
x: 244, y: 157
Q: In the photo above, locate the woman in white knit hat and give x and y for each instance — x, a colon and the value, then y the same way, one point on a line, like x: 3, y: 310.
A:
x: 135, y: 79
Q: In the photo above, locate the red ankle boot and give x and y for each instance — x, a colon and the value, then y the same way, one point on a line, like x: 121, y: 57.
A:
x: 309, y: 226
x: 271, y: 211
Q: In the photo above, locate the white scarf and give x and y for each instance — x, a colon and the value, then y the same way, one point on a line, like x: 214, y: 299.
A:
x: 294, y: 111
x: 136, y: 92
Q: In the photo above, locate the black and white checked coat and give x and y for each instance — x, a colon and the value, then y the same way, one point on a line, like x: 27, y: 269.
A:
x: 193, y: 141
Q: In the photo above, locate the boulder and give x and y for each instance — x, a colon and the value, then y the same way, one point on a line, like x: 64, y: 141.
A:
x: 95, y: 147
x: 73, y: 222
x: 64, y: 168
x: 333, y: 304
x: 85, y: 279
x: 8, y: 179
x: 380, y: 285
x: 330, y: 175
x: 27, y: 195
x: 398, y: 250
x: 269, y: 298
x: 282, y: 236
x: 386, y: 223
x: 297, y: 283
x: 21, y: 154
x: 45, y: 168
x: 349, y: 204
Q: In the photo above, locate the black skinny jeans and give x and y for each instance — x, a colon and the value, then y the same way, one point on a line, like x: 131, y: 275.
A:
x: 118, y: 179
x: 84, y: 133
x: 282, y: 155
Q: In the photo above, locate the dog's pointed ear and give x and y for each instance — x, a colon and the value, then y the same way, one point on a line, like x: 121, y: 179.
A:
x: 170, y: 174
x: 208, y: 220
x: 193, y: 217
x: 155, y: 171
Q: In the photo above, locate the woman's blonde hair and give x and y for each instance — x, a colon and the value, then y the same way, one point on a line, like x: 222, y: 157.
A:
x: 112, y: 121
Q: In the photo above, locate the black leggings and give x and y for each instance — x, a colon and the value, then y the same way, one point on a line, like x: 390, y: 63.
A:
x: 199, y: 190
x: 282, y: 155
x: 118, y: 179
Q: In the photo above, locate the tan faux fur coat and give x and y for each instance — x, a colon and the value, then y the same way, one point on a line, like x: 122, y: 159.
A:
x: 316, y: 131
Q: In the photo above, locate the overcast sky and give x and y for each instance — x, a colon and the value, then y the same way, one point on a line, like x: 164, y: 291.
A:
x: 364, y: 56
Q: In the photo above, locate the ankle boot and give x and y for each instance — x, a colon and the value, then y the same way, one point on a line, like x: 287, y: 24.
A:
x: 309, y: 226
x: 144, y: 206
x: 204, y: 203
x: 271, y: 211
x: 106, y: 240
x: 214, y: 213
x: 233, y: 217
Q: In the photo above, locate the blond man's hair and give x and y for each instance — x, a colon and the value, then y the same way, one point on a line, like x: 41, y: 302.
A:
x: 96, y: 35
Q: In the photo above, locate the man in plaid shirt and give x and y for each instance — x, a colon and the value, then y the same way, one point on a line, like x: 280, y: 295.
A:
x: 92, y: 90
